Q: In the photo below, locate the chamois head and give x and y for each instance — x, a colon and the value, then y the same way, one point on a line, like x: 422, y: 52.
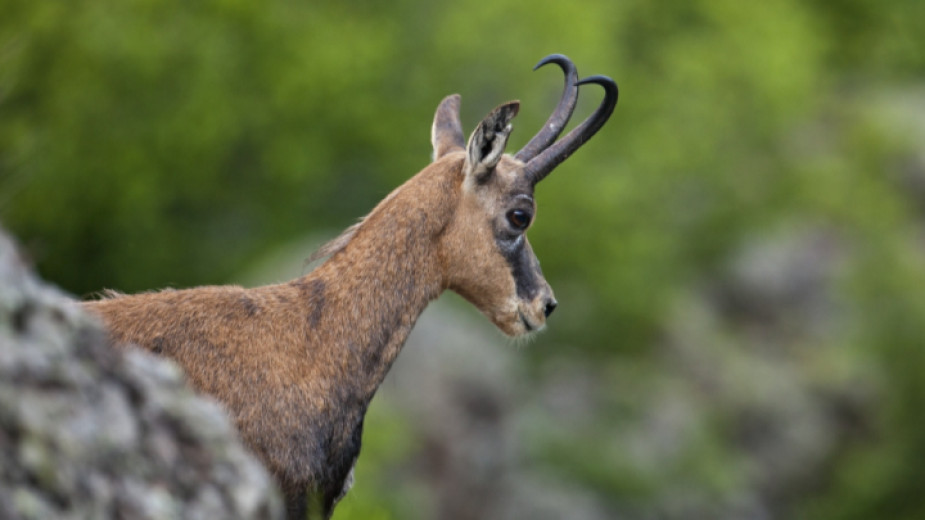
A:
x: 484, y: 250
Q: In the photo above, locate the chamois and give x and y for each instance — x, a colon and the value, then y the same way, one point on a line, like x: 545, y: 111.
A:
x: 296, y: 364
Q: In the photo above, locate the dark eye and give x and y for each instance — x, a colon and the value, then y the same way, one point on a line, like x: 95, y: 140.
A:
x: 518, y: 218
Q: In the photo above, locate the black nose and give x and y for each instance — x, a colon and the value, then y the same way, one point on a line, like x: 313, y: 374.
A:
x: 551, y: 305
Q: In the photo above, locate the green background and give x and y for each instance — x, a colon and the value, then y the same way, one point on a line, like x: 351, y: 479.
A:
x: 744, y: 240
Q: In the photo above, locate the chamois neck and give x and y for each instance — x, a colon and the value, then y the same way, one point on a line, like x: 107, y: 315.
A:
x: 376, y: 287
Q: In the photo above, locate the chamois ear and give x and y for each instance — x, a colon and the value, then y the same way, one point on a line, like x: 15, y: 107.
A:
x: 446, y: 134
x: 486, y: 145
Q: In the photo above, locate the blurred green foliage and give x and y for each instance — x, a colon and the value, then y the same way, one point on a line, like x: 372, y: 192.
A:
x: 146, y: 144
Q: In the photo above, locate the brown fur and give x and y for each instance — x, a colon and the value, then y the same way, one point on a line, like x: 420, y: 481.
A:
x: 296, y: 364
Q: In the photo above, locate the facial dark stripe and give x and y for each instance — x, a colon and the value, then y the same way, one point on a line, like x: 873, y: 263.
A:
x: 524, y: 268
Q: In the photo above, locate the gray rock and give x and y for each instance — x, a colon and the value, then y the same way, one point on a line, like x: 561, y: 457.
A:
x: 89, y: 431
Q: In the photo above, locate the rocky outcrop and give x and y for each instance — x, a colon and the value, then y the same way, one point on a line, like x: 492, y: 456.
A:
x: 88, y: 431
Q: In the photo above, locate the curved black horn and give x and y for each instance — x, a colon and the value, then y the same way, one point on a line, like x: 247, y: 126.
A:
x: 559, y: 118
x: 540, y: 166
